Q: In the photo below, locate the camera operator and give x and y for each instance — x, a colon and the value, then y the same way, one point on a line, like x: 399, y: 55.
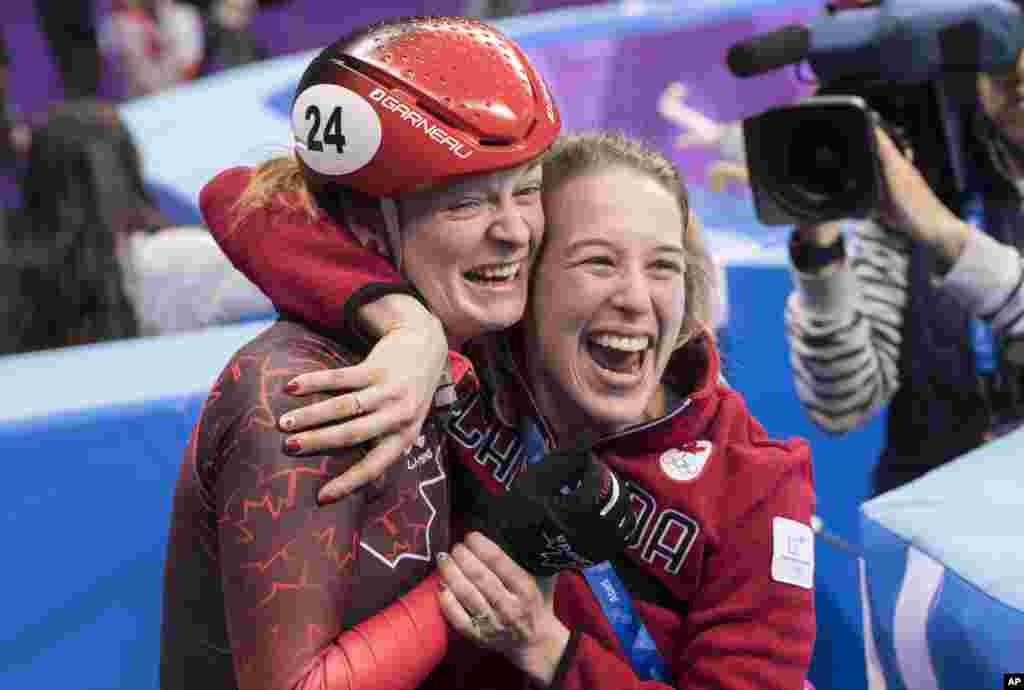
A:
x: 919, y: 310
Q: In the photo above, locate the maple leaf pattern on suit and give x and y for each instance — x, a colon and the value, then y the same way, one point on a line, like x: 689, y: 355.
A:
x: 287, y: 546
x: 399, y: 525
x: 274, y: 577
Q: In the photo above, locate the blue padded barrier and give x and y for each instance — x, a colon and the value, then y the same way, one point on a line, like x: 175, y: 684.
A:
x: 91, y: 439
x: 944, y: 574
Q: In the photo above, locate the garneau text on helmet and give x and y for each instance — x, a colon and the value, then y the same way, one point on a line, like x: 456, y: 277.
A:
x: 419, y: 121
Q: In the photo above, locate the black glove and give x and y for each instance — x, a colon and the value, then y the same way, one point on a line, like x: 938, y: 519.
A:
x: 568, y: 511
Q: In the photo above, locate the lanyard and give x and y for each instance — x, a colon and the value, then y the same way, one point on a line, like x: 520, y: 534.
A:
x: 615, y: 600
x: 532, y: 439
x: 633, y: 634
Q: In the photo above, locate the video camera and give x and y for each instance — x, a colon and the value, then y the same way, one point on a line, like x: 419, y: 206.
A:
x: 907, y: 65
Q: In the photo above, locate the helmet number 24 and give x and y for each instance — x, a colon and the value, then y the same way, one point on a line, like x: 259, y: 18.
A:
x: 332, y: 131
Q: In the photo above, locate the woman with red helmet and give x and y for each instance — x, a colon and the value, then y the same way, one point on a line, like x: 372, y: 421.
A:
x: 417, y: 149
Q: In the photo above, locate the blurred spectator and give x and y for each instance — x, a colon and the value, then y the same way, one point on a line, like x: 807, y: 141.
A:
x: 6, y: 137
x: 65, y: 283
x: 14, y: 138
x: 229, y: 40
x: 180, y: 280
x: 7, y: 158
x: 151, y: 44
x: 70, y: 30
x: 202, y: 5
x: 83, y: 260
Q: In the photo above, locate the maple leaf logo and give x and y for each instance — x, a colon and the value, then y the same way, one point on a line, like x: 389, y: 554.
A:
x: 403, y: 529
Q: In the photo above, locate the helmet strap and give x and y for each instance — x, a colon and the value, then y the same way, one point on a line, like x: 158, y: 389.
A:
x: 389, y: 209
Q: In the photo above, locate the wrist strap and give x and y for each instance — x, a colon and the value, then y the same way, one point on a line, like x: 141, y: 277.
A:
x: 808, y: 257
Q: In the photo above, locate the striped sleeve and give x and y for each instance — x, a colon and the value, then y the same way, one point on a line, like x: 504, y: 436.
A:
x: 988, y: 279
x: 844, y: 329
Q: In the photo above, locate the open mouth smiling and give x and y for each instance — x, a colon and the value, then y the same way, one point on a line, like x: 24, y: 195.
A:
x: 495, y: 274
x: 619, y: 353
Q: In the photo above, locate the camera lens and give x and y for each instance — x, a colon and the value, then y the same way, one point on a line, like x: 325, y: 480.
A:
x: 814, y: 160
x: 817, y: 162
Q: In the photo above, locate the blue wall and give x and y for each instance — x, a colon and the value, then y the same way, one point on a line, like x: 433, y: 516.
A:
x: 91, y: 440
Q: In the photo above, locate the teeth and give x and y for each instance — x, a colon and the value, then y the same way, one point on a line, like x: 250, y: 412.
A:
x: 497, y: 272
x: 627, y: 343
x: 500, y: 271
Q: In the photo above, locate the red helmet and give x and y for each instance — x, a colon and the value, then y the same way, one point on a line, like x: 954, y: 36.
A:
x: 410, y: 102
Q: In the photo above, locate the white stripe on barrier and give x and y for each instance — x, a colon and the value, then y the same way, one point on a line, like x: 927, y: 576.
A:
x: 922, y: 581
x: 872, y: 664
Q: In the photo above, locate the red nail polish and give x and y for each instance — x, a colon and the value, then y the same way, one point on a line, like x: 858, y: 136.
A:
x: 292, y: 387
x: 293, y: 445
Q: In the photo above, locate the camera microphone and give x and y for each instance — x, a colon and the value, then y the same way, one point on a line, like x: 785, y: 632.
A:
x: 898, y: 41
x: 769, y: 51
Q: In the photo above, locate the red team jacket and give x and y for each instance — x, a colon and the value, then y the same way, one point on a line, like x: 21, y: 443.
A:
x: 721, y: 566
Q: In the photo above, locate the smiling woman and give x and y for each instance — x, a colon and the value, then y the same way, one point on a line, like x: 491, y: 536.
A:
x: 473, y: 244
x: 604, y: 331
x: 615, y: 359
x: 265, y: 588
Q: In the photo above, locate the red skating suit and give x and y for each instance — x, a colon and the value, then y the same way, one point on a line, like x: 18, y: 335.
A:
x: 262, y: 584
x: 720, y: 568
x: 263, y: 588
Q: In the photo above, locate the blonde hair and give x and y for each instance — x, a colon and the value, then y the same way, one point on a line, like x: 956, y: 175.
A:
x: 279, y: 179
x: 575, y: 155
